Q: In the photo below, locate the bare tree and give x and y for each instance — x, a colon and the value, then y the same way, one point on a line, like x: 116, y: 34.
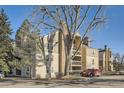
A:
x: 122, y: 62
x: 39, y: 40
x: 68, y: 20
x: 117, y: 61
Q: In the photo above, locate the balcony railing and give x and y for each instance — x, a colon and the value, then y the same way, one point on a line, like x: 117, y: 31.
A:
x: 74, y: 50
x: 76, y: 62
x: 75, y: 71
x: 78, y: 53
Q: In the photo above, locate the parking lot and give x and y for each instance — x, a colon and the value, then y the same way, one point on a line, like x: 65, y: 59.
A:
x: 114, y: 81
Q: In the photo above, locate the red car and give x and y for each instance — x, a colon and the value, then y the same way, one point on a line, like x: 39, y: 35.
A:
x: 91, y: 72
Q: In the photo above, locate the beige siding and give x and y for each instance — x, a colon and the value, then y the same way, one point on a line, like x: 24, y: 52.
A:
x: 84, y: 58
x: 54, y: 62
x: 90, y: 58
x: 40, y: 70
x: 106, y: 59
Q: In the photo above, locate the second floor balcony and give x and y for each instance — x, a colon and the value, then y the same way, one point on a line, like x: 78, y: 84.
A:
x: 78, y: 53
x: 74, y: 62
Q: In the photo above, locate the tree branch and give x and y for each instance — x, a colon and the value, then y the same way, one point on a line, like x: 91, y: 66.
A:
x: 85, y: 15
x: 88, y: 28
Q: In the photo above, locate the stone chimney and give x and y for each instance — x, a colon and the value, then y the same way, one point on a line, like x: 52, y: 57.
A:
x: 85, y: 41
x: 105, y: 47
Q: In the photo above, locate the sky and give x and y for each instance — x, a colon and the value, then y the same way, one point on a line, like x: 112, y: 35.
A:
x: 112, y: 34
x: 17, y: 14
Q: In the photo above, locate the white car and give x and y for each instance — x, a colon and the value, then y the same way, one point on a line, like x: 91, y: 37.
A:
x: 1, y: 75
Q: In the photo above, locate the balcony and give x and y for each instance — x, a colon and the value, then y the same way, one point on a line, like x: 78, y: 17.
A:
x: 76, y: 63
x: 74, y: 71
x: 74, y: 49
x: 77, y: 58
x: 78, y: 52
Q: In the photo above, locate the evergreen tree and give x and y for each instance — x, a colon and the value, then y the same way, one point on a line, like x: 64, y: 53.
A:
x: 25, y: 44
x: 5, y: 42
x: 23, y: 40
x: 22, y: 33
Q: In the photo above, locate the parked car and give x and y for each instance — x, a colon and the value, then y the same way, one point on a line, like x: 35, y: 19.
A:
x: 1, y: 75
x: 91, y: 72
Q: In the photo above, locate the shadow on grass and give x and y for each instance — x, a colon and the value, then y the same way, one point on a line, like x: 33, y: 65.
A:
x: 65, y: 83
x: 50, y: 84
x: 98, y: 83
x: 109, y: 80
x: 6, y: 80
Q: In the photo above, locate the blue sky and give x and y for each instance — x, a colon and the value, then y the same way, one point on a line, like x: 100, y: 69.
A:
x: 112, y: 34
x: 17, y: 14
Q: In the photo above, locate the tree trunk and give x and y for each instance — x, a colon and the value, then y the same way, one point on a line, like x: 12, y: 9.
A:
x: 30, y: 72
x: 67, y: 64
x: 121, y: 65
x: 68, y: 57
x: 49, y: 66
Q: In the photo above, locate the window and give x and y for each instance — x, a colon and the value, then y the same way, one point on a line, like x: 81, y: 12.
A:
x: 27, y: 68
x: 50, y: 45
x: 110, y: 54
x: 93, y: 53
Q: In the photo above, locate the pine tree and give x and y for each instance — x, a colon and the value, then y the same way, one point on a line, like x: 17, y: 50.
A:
x: 25, y: 44
x: 5, y: 42
x: 23, y: 40
x: 22, y: 33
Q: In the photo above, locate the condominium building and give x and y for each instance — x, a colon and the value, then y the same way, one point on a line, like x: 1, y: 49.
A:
x: 54, y: 53
x: 58, y: 57
x: 85, y: 58
x: 105, y: 59
x: 90, y: 58
x: 76, y: 61
x: 41, y: 67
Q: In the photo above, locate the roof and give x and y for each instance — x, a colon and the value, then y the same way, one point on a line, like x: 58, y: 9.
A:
x: 89, y: 47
